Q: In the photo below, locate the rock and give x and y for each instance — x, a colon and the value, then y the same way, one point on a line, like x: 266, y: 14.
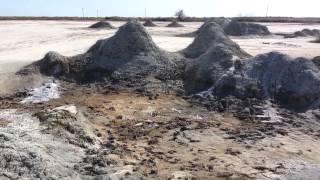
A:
x: 232, y: 152
x: 224, y: 174
x: 138, y: 124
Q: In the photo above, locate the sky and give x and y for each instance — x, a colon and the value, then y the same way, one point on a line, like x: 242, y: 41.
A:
x: 160, y: 8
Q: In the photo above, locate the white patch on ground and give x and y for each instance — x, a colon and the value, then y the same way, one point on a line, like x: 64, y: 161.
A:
x: 209, y: 92
x: 181, y: 175
x: 294, y: 170
x: 271, y: 113
x: 232, y: 68
x: 25, y: 136
x: 121, y: 172
x: 43, y: 93
x: 70, y: 108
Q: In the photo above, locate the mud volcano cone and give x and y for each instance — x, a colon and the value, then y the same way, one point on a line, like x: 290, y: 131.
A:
x: 102, y: 25
x: 222, y: 22
x: 236, y: 28
x: 215, y: 55
x: 149, y: 23
x: 211, y: 34
x: 129, y: 56
x: 175, y: 24
x: 222, y: 69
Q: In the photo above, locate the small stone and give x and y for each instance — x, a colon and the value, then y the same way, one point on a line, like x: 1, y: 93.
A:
x: 232, y: 152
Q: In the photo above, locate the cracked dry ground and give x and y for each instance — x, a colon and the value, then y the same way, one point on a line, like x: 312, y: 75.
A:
x: 165, y: 136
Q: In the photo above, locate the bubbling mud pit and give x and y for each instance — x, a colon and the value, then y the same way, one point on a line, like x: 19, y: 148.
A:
x: 126, y: 109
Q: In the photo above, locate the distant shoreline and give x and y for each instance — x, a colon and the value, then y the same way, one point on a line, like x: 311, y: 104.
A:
x: 166, y: 19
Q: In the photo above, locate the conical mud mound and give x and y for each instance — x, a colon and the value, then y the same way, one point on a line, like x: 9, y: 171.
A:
x: 302, y: 33
x: 236, y: 28
x: 209, y: 35
x: 149, y: 23
x: 175, y: 24
x: 222, y: 69
x: 102, y: 25
x: 216, y: 55
x: 222, y: 22
x: 293, y: 83
x: 129, y: 56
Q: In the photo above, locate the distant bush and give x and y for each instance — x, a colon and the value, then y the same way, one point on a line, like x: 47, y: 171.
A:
x: 180, y: 14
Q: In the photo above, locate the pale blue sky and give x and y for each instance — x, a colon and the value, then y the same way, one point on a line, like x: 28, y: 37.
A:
x: 155, y: 8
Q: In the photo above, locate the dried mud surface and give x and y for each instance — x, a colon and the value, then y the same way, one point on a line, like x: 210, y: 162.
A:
x: 167, y: 136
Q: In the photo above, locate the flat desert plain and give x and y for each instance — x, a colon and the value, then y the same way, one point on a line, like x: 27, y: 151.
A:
x: 23, y: 42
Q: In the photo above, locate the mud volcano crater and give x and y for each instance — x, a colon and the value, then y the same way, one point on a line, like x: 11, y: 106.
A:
x: 212, y: 66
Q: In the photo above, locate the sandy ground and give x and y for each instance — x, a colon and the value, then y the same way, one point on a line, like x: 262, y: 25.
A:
x: 25, y: 41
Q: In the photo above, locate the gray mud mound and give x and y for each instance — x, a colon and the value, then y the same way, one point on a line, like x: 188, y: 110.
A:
x: 209, y: 68
x: 149, y: 23
x: 236, y: 28
x: 130, y: 56
x: 293, y: 83
x: 316, y: 61
x: 306, y: 33
x: 175, y: 24
x: 211, y: 35
x: 215, y: 53
x: 102, y: 25
x: 222, y: 22
x: 221, y: 68
x: 55, y: 146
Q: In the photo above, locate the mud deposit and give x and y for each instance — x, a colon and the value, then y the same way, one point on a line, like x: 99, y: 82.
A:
x: 128, y: 109
x: 101, y: 131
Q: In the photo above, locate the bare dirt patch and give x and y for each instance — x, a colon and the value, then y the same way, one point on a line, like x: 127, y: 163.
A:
x: 3, y: 123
